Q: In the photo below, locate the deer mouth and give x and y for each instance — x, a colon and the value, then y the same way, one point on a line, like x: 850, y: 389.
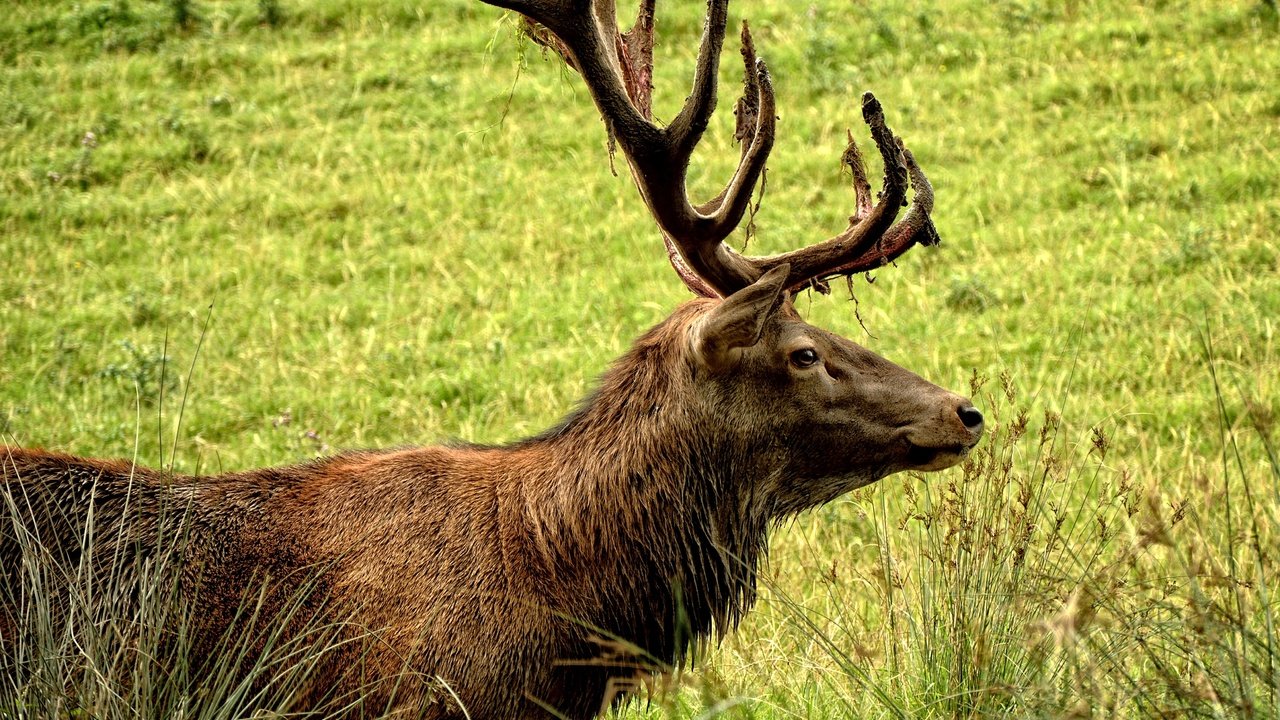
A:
x: 938, y: 457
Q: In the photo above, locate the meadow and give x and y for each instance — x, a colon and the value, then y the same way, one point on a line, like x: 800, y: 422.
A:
x: 249, y: 232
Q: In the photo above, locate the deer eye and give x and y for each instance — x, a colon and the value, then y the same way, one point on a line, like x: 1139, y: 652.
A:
x: 805, y: 357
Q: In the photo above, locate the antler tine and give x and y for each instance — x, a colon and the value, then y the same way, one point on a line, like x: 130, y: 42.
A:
x: 688, y: 125
x: 852, y: 158
x: 703, y: 247
x: 707, y: 266
x: 747, y: 109
x: 871, y: 238
x: 916, y: 227
x: 756, y: 118
x: 870, y: 241
x: 756, y: 140
x: 695, y: 234
x: 637, y: 46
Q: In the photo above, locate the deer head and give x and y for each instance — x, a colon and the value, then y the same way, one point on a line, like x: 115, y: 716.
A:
x: 836, y: 416
x: 829, y: 414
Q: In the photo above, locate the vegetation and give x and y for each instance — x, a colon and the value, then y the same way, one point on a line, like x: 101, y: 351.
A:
x: 247, y: 232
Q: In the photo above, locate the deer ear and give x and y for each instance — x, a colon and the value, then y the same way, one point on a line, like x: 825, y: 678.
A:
x: 738, y: 322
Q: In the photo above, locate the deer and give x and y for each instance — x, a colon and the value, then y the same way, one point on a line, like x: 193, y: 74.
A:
x: 550, y: 577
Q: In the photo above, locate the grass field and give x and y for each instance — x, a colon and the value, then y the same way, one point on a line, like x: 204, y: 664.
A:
x: 249, y: 232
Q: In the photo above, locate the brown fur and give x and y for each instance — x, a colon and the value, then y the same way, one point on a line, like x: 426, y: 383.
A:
x: 547, y: 572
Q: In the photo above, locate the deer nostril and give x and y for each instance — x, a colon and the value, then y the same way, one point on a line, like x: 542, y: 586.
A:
x: 970, y: 416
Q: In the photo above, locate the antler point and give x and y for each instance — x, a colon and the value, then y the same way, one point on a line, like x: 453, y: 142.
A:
x: 871, y: 108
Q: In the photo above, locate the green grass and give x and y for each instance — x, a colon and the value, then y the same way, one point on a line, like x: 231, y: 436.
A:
x: 405, y: 224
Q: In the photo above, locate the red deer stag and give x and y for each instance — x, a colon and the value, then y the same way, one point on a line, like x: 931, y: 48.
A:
x: 511, y: 579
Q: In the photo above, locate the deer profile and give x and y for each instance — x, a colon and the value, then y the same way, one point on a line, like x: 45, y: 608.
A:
x: 546, y: 577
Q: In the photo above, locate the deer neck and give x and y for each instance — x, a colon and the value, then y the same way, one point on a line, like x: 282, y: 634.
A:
x: 652, y: 508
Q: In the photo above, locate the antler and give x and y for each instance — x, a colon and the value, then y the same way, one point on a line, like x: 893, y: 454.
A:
x: 618, y: 67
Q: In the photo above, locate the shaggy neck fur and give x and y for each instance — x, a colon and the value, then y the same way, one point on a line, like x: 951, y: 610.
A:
x: 653, y: 508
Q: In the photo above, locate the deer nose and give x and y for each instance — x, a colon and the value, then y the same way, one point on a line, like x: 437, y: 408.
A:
x: 971, y: 417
